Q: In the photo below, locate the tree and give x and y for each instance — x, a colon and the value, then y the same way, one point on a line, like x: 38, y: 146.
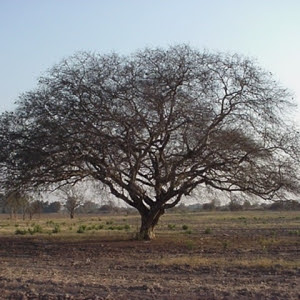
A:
x: 73, y: 198
x: 34, y: 207
x: 16, y: 201
x: 89, y: 207
x: 52, y: 207
x: 2, y: 203
x: 153, y: 127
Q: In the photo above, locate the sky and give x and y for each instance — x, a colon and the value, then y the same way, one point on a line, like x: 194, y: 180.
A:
x: 36, y: 34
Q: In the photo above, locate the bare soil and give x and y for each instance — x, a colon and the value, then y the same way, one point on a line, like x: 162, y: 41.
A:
x: 242, y: 263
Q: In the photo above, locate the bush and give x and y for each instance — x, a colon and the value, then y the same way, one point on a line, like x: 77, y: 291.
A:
x: 36, y: 229
x: 209, y: 206
x: 207, y: 231
x: 81, y: 229
x: 185, y: 227
x: 171, y: 226
x: 21, y: 231
x: 235, y: 206
x: 56, y: 228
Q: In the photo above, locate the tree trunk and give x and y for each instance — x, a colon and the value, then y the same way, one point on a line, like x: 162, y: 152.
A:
x: 148, y: 222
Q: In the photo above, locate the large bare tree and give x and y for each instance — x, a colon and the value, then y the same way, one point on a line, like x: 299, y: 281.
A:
x: 153, y: 127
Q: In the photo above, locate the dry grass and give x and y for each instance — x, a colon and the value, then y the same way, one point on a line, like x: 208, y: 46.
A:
x: 198, y: 261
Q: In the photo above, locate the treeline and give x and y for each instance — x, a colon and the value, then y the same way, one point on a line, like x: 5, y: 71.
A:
x: 239, y: 206
x: 21, y: 205
x: 17, y: 204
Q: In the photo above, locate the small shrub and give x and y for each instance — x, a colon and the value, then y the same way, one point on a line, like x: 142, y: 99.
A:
x: 56, y: 228
x: 31, y: 231
x: 225, y: 245
x: 189, y: 231
x: 109, y: 222
x: 99, y: 227
x: 91, y: 227
x: 126, y: 227
x: 294, y: 232
x: 208, y: 230
x: 36, y: 229
x: 171, y: 226
x: 81, y: 229
x: 185, y: 227
x: 21, y: 231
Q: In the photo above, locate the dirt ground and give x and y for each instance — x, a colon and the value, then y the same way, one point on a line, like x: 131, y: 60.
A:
x: 248, y: 263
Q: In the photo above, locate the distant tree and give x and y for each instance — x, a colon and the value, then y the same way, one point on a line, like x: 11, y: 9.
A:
x: 285, y: 205
x: 153, y: 127
x: 89, y: 207
x: 247, y: 205
x: 73, y: 198
x: 34, y: 207
x: 2, y: 203
x: 235, y: 205
x: 16, y: 201
x: 52, y: 207
x: 209, y: 206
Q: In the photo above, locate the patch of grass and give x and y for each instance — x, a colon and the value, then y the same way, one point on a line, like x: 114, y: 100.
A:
x: 266, y: 243
x: 225, y: 245
x: 4, y: 225
x: 294, y: 232
x: 197, y: 261
x: 190, y: 244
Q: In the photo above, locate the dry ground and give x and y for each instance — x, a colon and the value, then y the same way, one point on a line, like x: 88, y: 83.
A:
x: 249, y: 255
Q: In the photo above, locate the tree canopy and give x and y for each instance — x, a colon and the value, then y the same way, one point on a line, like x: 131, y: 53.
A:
x: 152, y: 127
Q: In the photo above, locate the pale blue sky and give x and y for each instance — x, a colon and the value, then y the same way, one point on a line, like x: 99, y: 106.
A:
x: 36, y: 34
